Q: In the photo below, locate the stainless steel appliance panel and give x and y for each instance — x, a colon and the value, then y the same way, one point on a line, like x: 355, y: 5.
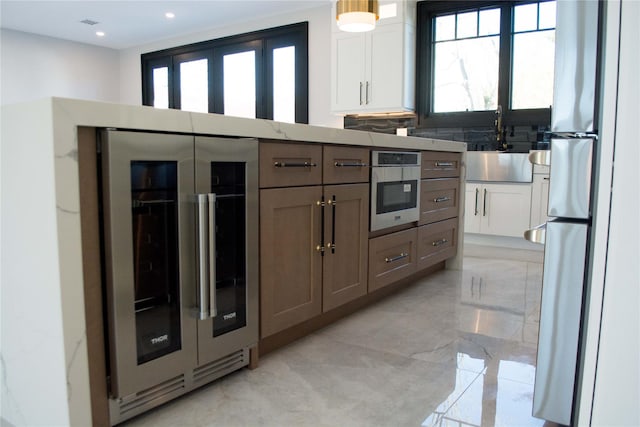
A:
x: 235, y: 294
x: 139, y: 318
x: 498, y: 167
x: 563, y: 277
x: 575, y: 64
x: 570, y: 178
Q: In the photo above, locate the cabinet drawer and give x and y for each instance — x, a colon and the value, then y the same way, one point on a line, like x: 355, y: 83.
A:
x: 343, y: 165
x: 437, y: 242
x: 440, y: 164
x: 289, y: 165
x: 391, y: 258
x: 439, y: 199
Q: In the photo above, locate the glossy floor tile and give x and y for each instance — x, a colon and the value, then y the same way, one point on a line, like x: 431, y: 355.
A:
x: 455, y: 349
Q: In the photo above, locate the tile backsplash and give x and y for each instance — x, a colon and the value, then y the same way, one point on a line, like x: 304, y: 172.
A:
x: 519, y: 138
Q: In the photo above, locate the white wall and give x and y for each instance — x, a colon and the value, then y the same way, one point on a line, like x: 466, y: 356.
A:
x: 33, y: 67
x: 320, y: 22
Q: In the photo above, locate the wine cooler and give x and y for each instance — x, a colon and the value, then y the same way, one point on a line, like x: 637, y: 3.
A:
x: 180, y: 217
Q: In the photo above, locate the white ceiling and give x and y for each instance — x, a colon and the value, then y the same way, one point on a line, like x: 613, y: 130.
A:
x: 131, y: 23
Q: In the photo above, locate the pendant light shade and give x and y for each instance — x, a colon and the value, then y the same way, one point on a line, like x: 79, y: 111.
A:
x: 357, y: 15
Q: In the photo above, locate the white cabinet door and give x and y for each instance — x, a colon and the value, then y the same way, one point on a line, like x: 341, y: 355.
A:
x: 385, y: 65
x: 348, y: 71
x: 506, y: 209
x: 472, y: 208
x: 539, y: 199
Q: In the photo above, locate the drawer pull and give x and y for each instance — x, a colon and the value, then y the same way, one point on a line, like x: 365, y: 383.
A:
x: 442, y: 199
x: 439, y: 242
x: 396, y: 258
x: 444, y: 164
x: 294, y: 165
x: 350, y: 165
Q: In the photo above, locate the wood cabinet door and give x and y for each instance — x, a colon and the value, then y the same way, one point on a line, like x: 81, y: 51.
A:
x: 473, y: 208
x: 290, y: 263
x: 506, y: 209
x: 346, y: 236
x: 392, y: 257
x: 437, y: 242
x: 439, y: 199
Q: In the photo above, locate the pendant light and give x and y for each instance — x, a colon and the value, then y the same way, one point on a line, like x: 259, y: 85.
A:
x: 357, y: 15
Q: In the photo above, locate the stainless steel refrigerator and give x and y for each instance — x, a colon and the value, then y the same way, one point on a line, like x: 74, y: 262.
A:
x: 566, y: 235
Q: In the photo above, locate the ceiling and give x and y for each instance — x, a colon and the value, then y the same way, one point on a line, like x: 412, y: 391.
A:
x: 131, y: 23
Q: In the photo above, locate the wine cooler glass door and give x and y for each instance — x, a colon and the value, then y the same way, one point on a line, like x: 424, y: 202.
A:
x: 227, y: 183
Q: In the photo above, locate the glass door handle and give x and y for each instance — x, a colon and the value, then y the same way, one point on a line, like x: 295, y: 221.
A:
x: 213, y: 310
x: 203, y: 272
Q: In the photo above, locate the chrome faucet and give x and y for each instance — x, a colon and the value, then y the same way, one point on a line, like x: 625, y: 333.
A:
x: 500, y: 130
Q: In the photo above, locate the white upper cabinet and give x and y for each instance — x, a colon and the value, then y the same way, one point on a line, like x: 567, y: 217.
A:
x: 374, y: 72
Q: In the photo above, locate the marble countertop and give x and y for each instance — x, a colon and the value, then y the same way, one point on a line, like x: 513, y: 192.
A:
x: 74, y: 112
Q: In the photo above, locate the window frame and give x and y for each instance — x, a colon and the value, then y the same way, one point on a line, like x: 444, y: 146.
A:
x: 426, y: 118
x: 265, y: 40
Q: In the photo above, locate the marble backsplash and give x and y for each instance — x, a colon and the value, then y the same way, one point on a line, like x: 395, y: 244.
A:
x: 519, y: 138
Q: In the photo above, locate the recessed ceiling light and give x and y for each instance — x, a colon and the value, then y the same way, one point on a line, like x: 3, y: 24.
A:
x: 170, y: 15
x: 100, y: 33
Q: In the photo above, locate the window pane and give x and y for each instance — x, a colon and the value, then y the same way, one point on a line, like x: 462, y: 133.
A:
x: 489, y: 22
x: 445, y: 27
x: 240, y: 84
x: 161, y: 87
x: 533, y: 64
x: 525, y: 17
x: 547, y: 15
x: 194, y: 86
x: 284, y: 84
x: 466, y: 75
x: 467, y: 25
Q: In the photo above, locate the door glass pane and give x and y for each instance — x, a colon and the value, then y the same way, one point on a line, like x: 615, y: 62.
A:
x: 228, y: 183
x: 533, y: 65
x: 161, y: 87
x: 155, y: 258
x: 239, y: 75
x: 284, y: 84
x: 466, y: 75
x: 194, y: 86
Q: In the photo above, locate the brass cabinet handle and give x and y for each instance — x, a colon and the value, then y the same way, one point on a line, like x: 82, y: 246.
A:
x: 442, y: 199
x: 396, y: 258
x: 320, y: 247
x: 295, y: 165
x: 439, y: 242
x: 350, y: 165
x: 444, y: 164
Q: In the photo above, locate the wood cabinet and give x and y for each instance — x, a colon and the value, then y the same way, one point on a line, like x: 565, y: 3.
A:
x: 539, y: 198
x: 373, y: 71
x: 285, y: 165
x: 439, y: 199
x: 497, y: 209
x: 313, y: 239
x: 437, y: 242
x: 440, y: 164
x: 392, y: 257
x: 290, y: 262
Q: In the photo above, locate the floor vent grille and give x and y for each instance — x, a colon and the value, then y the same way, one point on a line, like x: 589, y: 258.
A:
x: 148, y: 396
x: 222, y: 366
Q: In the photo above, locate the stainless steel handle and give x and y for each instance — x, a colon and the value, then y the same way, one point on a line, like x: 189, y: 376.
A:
x: 546, y: 178
x: 537, y: 234
x: 361, y: 93
x: 475, y: 207
x: 439, y: 242
x: 350, y: 165
x: 540, y: 158
x: 213, y: 310
x: 484, y: 203
x: 295, y: 165
x: 444, y: 164
x: 366, y: 92
x: 396, y: 258
x: 442, y: 199
x: 203, y: 272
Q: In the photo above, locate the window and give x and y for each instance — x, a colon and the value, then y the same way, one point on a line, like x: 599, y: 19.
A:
x: 476, y: 56
x: 257, y: 75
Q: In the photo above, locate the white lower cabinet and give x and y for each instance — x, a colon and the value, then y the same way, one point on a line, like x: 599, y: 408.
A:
x: 497, y: 209
x: 539, y: 199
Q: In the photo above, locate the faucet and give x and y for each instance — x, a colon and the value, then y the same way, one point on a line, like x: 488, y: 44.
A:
x: 500, y: 130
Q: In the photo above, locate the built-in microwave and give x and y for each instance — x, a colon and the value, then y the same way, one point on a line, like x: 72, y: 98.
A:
x: 395, y: 188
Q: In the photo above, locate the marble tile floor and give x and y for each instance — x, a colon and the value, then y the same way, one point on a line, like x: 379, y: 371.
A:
x: 455, y: 349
